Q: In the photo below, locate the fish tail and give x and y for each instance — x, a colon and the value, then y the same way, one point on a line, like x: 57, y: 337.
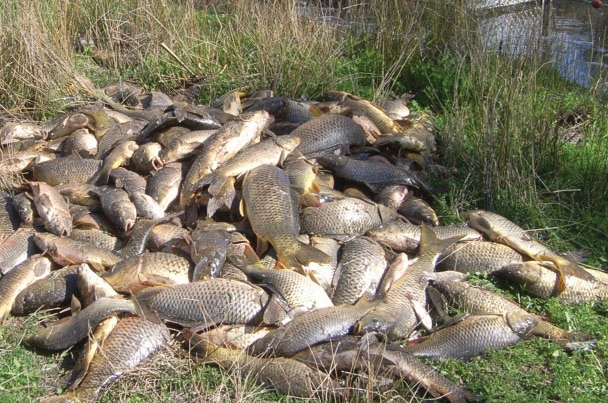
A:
x: 430, y: 243
x: 142, y: 302
x: 572, y: 269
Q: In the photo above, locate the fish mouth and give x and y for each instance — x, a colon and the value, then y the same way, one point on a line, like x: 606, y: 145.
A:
x: 157, y: 163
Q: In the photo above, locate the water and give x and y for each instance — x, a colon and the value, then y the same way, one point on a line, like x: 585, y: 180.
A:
x: 572, y: 34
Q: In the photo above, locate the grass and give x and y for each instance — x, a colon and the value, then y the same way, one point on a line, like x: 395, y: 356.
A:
x: 526, y: 143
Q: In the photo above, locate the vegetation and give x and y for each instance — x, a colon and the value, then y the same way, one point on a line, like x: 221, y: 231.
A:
x: 526, y: 143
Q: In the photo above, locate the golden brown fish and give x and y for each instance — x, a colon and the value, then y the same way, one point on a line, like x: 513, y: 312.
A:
x: 500, y: 229
x: 273, y: 216
x: 18, y: 279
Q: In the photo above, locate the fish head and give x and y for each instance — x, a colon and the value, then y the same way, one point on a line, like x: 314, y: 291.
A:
x: 520, y: 322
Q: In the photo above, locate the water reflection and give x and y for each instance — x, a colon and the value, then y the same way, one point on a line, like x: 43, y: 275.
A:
x: 572, y: 34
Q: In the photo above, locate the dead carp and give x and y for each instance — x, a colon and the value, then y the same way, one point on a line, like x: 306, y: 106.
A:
x: 273, y: 216
x: 328, y: 134
x: 219, y: 148
x: 474, y: 335
x: 359, y: 272
x: 345, y: 218
x: 287, y: 376
x: 541, y: 279
x: 404, y: 304
x: 307, y: 330
x: 53, y: 208
x: 500, y: 229
x: 403, y: 236
x: 206, y: 303
x: 477, y: 257
x: 221, y: 181
x: 52, y: 291
x: 149, y: 268
x: 19, y: 278
x: 132, y: 341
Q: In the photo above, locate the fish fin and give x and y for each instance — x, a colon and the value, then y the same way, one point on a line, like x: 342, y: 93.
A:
x: 315, y: 112
x: 280, y: 266
x: 314, y: 186
x: 430, y: 243
x: 438, y: 301
x: 572, y: 269
x: 248, y: 258
x: 224, y: 196
x: 261, y: 246
x: 303, y: 255
x: 190, y: 214
x: 309, y: 200
x: 242, y: 209
x: 97, y: 266
x: 276, y: 311
x: 142, y: 304
x: 560, y: 281
x: 206, y: 180
x: 422, y: 315
x: 451, y: 321
x: 75, y: 305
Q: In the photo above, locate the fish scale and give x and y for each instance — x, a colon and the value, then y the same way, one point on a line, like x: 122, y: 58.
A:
x: 405, y: 301
x: 9, y: 218
x: 360, y: 270
x: 327, y: 134
x: 541, y: 281
x: 204, y: 303
x: 16, y: 248
x: 310, y: 329
x: 477, y: 257
x: 403, y: 236
x: 19, y: 278
x: 502, y: 230
x: 132, y: 341
x: 66, y: 333
x: 66, y: 170
x: 474, y: 335
x: 52, y: 291
x: 273, y: 216
x: 479, y: 301
x: 346, y: 217
x: 156, y: 267
x: 298, y: 290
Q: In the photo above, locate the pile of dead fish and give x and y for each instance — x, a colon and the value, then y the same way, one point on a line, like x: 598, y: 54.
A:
x: 139, y: 213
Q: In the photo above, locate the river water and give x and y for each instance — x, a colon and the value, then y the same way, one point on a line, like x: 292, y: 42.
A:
x: 570, y: 33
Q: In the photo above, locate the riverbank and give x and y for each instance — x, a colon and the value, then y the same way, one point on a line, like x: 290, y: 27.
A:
x: 527, y: 144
